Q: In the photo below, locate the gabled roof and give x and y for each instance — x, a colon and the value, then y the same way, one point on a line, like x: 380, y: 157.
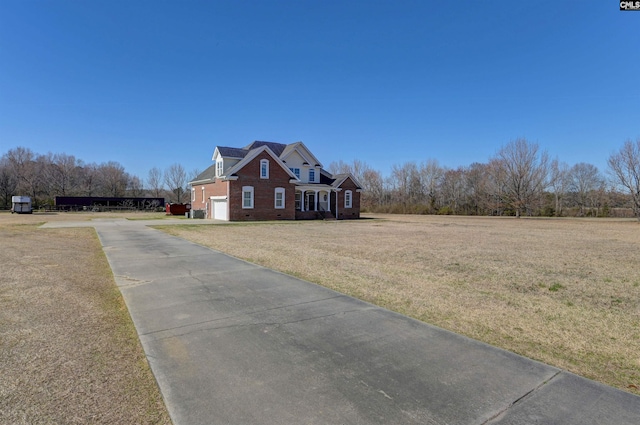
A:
x: 276, y: 148
x: 207, y: 175
x: 251, y: 155
x: 340, y: 178
x: 303, y: 151
x: 227, y: 152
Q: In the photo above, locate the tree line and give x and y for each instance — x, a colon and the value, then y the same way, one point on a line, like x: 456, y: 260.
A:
x: 44, y: 176
x: 521, y: 179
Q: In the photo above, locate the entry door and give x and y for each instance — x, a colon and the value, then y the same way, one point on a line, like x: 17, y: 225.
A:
x: 311, y: 201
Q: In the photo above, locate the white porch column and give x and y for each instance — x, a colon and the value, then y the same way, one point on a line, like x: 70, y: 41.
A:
x: 329, y: 200
x: 302, y: 200
x: 315, y: 201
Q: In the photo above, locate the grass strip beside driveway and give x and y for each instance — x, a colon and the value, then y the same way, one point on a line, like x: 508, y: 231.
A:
x: 69, y: 351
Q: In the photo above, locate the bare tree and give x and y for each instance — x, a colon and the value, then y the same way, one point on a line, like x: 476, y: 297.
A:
x: 559, y: 182
x: 113, y: 180
x: 431, y: 175
x: 624, y: 166
x: 175, y: 177
x: 8, y: 182
x: 135, y: 188
x: 61, y: 174
x: 154, y: 182
x: 525, y: 170
x: 584, y: 179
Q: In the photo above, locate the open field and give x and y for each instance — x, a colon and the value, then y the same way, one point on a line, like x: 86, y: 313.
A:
x: 68, y: 350
x: 562, y: 291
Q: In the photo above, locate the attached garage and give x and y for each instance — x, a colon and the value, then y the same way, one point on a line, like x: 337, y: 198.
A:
x: 219, y: 208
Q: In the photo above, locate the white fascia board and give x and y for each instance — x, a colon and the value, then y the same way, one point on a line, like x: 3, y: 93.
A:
x: 218, y: 198
x: 296, y: 180
x: 303, y: 151
x: 216, y: 153
x: 254, y: 153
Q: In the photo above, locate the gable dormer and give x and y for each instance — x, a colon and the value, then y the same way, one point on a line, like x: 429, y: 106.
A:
x: 302, y: 162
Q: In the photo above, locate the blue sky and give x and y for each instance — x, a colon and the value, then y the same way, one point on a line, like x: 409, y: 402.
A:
x: 152, y: 83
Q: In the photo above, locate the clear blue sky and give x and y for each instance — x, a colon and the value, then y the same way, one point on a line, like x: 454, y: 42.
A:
x: 151, y: 83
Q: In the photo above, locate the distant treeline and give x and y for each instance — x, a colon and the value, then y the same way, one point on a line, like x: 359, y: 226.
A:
x: 43, y: 177
x: 520, y: 179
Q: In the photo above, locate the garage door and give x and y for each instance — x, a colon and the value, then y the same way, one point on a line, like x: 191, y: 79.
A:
x: 220, y: 209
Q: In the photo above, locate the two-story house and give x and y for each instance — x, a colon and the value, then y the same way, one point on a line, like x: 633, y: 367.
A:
x: 273, y: 181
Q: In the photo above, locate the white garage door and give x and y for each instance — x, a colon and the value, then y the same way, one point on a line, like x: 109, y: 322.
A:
x: 220, y: 210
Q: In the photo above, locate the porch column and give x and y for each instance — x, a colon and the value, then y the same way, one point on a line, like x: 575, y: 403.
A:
x: 302, y: 200
x: 329, y: 200
x: 315, y: 201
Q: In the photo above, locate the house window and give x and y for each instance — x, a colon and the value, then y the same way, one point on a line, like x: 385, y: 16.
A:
x: 202, y: 194
x: 296, y: 171
x: 279, y: 198
x: 264, y: 168
x: 219, y: 167
x: 247, y: 197
x: 193, y: 195
x: 347, y: 199
x: 312, y: 176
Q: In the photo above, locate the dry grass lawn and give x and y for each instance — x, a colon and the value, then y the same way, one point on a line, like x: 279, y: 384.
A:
x: 69, y: 353
x: 562, y: 291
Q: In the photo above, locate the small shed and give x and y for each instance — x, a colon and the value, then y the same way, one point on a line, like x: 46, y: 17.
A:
x: 21, y: 205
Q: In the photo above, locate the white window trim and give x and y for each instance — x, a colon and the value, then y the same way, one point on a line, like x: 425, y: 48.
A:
x: 219, y: 167
x: 311, y: 170
x: 193, y: 194
x: 203, y: 200
x: 275, y: 198
x: 264, y: 162
x: 246, y: 189
x: 348, y: 198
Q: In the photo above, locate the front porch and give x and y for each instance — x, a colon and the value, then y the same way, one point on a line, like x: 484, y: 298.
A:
x: 314, y: 202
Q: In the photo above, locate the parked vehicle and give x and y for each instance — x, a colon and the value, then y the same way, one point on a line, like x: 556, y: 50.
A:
x: 21, y: 205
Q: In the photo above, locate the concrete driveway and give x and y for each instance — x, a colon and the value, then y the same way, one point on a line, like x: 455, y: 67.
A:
x: 234, y: 343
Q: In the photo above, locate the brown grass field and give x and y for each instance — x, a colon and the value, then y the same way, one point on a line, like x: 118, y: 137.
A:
x: 69, y: 353
x: 562, y: 291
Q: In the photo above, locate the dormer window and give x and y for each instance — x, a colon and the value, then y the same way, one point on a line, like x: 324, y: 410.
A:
x: 219, y: 167
x: 312, y: 176
x: 264, y: 168
x: 296, y: 171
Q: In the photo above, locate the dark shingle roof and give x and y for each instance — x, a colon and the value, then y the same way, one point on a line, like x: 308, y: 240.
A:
x: 277, y: 148
x: 207, y: 174
x: 232, y: 152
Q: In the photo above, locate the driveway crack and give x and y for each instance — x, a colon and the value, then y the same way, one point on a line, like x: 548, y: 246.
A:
x: 526, y: 395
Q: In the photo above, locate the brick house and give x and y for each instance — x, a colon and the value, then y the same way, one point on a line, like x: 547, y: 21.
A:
x: 273, y: 181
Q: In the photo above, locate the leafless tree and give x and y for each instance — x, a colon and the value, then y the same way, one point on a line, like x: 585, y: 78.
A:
x: 175, y: 177
x: 584, y: 180
x: 113, y: 180
x: 559, y: 182
x: 154, y: 182
x: 8, y: 182
x: 135, y: 188
x: 624, y: 167
x: 525, y: 170
x: 431, y: 174
x: 61, y: 173
x: 88, y: 179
